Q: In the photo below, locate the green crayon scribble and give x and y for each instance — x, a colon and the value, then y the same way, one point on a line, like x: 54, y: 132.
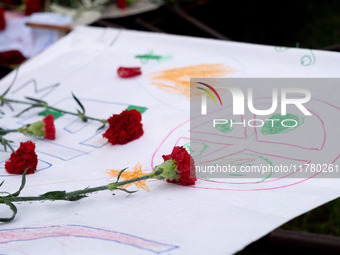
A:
x: 56, y: 114
x: 141, y: 109
x: 199, y: 148
x: 225, y: 128
x: 305, y: 60
x: 281, y: 48
x: 252, y: 158
x: 270, y: 163
x: 275, y: 127
x: 308, y: 60
x: 150, y: 56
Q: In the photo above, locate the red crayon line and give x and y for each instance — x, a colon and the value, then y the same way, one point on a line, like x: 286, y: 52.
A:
x: 25, y: 234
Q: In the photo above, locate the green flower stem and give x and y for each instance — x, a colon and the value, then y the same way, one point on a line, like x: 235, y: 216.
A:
x: 46, y: 106
x: 157, y: 173
x: 160, y: 172
x: 10, y: 146
x: 6, y: 143
x: 68, y: 196
x: 7, y: 131
x: 82, y: 116
x: 6, y: 100
x: 42, y: 198
x: 115, y: 185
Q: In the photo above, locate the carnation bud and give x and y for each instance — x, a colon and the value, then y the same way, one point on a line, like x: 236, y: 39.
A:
x: 34, y: 129
x: 166, y: 171
x: 44, y: 128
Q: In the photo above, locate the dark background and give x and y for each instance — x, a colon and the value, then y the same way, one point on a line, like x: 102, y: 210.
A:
x: 304, y: 24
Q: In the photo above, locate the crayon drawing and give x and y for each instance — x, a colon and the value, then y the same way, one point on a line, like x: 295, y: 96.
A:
x: 8, y: 236
x: 177, y: 80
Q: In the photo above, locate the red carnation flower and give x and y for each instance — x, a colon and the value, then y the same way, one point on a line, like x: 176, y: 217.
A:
x: 2, y: 19
x: 185, y: 165
x: 124, y: 127
x: 32, y: 6
x: 11, y: 57
x: 128, y: 72
x: 121, y: 4
x: 23, y: 159
x: 49, y: 128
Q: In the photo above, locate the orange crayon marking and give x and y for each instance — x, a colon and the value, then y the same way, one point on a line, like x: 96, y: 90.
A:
x: 136, y: 172
x: 177, y: 80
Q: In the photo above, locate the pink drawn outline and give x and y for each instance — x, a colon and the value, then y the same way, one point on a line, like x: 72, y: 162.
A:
x: 223, y: 147
x: 34, y: 233
x: 256, y: 152
x: 262, y: 189
x: 332, y: 105
x: 153, y: 156
x: 161, y: 144
x: 229, y: 136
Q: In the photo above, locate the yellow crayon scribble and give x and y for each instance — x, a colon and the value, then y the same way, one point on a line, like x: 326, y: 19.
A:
x: 177, y: 80
x: 127, y: 175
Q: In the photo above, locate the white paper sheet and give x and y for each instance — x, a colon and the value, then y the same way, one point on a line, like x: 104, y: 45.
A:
x: 209, y: 218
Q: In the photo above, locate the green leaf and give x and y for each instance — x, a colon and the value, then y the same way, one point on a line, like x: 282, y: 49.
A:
x: 26, y: 110
x: 55, y: 195
x: 79, y: 103
x: 5, y: 192
x: 120, y: 173
x: 6, y: 143
x: 14, y: 210
x: 2, y: 131
x: 7, y: 90
x: 9, y: 106
x: 127, y: 191
x: 36, y: 100
x: 82, y: 116
x: 101, y: 127
x: 23, y: 182
x: 2, y: 97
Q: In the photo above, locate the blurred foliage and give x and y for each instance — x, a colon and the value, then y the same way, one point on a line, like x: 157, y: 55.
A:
x: 309, y: 24
x: 322, y: 220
